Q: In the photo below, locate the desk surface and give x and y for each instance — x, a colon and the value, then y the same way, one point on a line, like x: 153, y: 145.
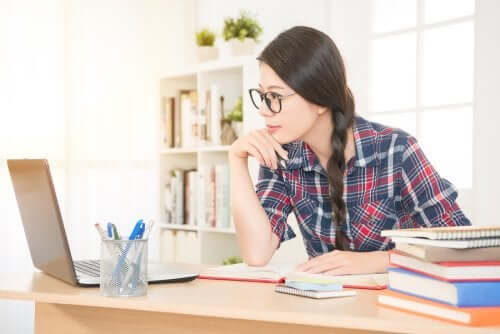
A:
x: 234, y: 300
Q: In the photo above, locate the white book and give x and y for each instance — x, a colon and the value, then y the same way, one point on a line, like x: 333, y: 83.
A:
x: 180, y: 244
x: 459, y: 244
x: 201, y: 196
x: 168, y: 246
x: 447, y: 233
x: 168, y: 202
x: 179, y: 196
x: 222, y: 196
x: 191, y: 249
x: 190, y: 198
x: 215, y: 116
x: 211, y: 197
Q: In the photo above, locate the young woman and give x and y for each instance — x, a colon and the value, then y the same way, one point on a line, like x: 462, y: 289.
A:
x: 346, y: 179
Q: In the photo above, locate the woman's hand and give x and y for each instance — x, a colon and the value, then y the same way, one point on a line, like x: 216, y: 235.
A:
x: 261, y: 145
x: 347, y: 262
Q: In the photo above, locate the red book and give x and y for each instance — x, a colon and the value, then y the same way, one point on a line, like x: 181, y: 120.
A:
x: 278, y: 273
x: 449, y: 271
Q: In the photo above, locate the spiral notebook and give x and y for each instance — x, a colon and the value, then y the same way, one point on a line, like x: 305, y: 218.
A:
x: 447, y: 233
x: 313, y: 293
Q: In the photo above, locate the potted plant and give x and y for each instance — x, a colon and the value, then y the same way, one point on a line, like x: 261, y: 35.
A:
x: 243, y: 33
x: 205, y: 39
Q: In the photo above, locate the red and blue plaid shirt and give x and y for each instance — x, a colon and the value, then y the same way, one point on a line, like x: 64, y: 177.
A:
x: 389, y: 184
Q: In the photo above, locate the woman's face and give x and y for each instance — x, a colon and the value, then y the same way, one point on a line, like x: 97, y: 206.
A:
x: 297, y: 116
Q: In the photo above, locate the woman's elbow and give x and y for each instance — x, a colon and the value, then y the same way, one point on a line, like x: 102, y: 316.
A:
x: 256, y: 260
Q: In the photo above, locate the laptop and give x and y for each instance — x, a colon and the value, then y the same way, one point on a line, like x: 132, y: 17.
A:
x: 46, y: 236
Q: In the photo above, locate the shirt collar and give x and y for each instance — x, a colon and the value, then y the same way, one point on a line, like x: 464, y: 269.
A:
x: 300, y: 155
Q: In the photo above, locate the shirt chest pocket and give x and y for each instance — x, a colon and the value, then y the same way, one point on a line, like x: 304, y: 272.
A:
x: 366, y: 222
x: 314, y: 218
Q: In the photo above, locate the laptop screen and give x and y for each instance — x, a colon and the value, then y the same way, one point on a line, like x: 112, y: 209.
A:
x: 41, y: 217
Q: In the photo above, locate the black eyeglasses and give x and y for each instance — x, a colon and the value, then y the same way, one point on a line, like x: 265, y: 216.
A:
x: 272, y: 99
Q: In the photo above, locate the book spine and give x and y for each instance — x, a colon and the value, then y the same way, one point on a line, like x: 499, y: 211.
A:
x: 179, y: 197
x: 215, y: 116
x: 478, y: 294
x: 201, y: 196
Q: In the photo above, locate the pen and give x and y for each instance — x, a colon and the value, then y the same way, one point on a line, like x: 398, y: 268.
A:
x: 149, y: 227
x: 100, y: 230
x: 109, y: 226
x: 115, y: 232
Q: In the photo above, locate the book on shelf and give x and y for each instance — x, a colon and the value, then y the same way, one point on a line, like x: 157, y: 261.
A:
x: 189, y: 118
x: 192, y: 119
x: 472, y: 316
x: 213, y: 114
x: 222, y: 185
x: 440, y: 254
x: 174, y: 197
x: 167, y: 121
x: 279, y: 273
x: 449, y: 271
x: 463, y: 294
x: 168, y: 245
x: 199, y: 197
x: 190, y: 197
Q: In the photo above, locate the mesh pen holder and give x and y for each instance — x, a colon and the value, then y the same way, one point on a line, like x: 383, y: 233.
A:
x: 124, y: 268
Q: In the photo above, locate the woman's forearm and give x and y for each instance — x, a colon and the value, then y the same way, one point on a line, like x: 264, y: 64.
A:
x: 253, y: 230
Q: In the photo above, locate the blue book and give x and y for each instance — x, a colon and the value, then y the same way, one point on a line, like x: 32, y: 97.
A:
x: 462, y: 294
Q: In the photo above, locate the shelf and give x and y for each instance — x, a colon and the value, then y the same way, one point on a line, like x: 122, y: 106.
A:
x: 195, y: 150
x: 216, y: 65
x: 180, y: 227
x: 197, y: 228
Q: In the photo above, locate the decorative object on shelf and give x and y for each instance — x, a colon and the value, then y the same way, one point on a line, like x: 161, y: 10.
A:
x: 205, y: 39
x: 232, y: 260
x: 228, y: 136
x: 243, y: 33
x: 236, y: 117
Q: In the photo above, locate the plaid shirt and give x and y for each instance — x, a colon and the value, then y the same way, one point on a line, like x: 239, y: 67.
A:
x: 389, y: 184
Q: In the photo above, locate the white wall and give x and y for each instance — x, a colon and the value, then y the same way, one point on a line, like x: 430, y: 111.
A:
x: 486, y: 181
x: 94, y: 67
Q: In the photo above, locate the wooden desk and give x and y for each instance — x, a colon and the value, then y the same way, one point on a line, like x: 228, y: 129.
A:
x: 205, y: 306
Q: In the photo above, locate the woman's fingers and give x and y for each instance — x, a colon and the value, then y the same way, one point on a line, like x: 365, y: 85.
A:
x: 267, y: 146
x: 253, y: 150
x: 276, y: 146
x: 261, y: 145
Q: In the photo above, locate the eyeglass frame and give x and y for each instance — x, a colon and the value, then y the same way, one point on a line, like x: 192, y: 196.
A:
x: 264, y: 98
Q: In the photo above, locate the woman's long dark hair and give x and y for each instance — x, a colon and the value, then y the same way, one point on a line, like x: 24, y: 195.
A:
x: 310, y: 63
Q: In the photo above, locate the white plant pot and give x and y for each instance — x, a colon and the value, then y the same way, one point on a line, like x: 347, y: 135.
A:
x: 242, y: 48
x: 207, y: 53
x: 238, y: 128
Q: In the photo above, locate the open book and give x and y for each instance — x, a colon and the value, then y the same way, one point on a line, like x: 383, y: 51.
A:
x: 277, y: 273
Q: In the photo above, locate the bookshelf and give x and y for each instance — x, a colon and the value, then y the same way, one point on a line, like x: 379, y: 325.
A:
x: 200, y: 243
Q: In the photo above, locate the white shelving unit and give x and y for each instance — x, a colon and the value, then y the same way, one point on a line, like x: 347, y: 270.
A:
x: 233, y: 78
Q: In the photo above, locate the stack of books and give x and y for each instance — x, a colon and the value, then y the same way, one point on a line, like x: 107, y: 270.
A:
x: 450, y: 273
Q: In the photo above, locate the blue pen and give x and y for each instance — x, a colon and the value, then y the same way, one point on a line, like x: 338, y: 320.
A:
x: 136, y: 232
x: 110, y: 230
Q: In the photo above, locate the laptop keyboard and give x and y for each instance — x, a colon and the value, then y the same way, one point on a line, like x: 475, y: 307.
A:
x: 87, y: 267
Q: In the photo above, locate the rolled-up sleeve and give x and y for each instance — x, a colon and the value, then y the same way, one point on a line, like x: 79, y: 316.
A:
x: 273, y: 194
x: 428, y: 199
